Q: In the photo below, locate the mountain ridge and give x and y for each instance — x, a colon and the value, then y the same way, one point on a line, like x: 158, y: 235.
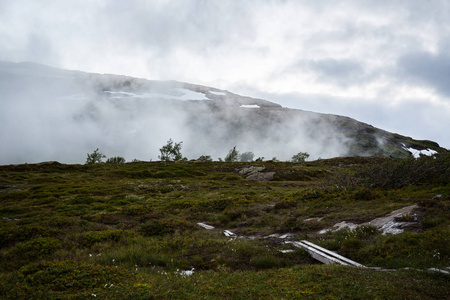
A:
x: 125, y: 115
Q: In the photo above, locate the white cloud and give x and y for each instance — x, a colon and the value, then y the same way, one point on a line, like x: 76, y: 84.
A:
x: 355, y: 54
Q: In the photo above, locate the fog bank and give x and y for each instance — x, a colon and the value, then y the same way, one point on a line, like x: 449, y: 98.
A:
x: 50, y: 114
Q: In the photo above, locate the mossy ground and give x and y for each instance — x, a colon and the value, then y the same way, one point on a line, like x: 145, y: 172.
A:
x: 126, y: 231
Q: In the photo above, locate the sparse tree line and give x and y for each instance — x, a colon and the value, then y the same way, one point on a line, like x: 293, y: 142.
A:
x: 171, y: 151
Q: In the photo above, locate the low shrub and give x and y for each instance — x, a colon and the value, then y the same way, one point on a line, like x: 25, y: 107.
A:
x: 81, y: 200
x: 397, y: 173
x: 91, y: 237
x: 295, y: 224
x: 365, y: 194
x: 115, y: 160
x: 48, y: 279
x: 37, y: 248
x: 165, y: 226
x: 268, y: 262
x: 16, y: 234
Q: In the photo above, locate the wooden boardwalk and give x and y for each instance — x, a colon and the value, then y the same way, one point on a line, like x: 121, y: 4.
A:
x: 323, y: 255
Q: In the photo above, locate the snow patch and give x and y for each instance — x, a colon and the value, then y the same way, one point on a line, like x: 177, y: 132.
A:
x: 174, y: 94
x: 417, y: 153
x: 250, y: 106
x: 208, y: 227
x: 229, y: 233
x: 191, y: 95
x: 218, y: 93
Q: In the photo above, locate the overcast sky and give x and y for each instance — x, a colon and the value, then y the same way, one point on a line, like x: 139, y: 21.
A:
x: 386, y: 63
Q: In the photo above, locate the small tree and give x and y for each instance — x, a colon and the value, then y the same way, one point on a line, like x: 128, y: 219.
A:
x: 300, y: 157
x: 204, y: 158
x: 247, y: 157
x: 115, y: 160
x: 170, y: 152
x: 94, y: 158
x: 233, y: 155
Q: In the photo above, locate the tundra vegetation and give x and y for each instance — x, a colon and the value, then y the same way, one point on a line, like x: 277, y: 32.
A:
x: 129, y: 230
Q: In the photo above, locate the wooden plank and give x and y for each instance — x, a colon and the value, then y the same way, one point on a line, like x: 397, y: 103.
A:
x: 325, y: 256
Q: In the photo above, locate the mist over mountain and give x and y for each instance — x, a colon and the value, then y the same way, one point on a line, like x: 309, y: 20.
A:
x: 54, y: 114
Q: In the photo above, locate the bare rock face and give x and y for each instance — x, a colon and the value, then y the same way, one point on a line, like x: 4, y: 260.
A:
x: 257, y: 173
x: 262, y: 176
x: 393, y: 223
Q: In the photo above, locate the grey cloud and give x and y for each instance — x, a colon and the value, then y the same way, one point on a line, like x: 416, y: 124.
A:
x: 53, y: 114
x: 417, y: 118
x: 341, y: 71
x: 428, y: 69
x: 147, y: 37
x: 196, y: 25
x: 39, y: 46
x: 154, y: 29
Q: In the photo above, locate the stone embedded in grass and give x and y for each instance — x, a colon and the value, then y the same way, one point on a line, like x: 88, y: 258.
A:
x: 257, y: 173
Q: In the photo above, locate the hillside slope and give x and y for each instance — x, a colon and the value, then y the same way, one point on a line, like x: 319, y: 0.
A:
x: 54, y: 114
x: 131, y: 231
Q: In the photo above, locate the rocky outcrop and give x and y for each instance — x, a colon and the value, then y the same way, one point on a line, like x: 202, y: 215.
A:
x: 257, y: 173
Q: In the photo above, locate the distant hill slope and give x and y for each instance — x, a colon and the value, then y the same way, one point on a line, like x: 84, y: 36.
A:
x: 54, y: 114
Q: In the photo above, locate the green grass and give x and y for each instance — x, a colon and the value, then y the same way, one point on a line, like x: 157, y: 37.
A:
x: 123, y: 230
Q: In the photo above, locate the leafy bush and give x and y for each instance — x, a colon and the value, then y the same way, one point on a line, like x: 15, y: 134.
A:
x: 233, y: 155
x: 115, y: 160
x: 81, y: 200
x: 91, y: 237
x: 397, y: 173
x: 170, y: 152
x: 38, y: 248
x: 247, y: 157
x: 296, y: 224
x: 165, y: 226
x: 22, y: 233
x: 411, y: 250
x: 94, y: 158
x: 268, y: 262
x: 204, y: 158
x: 365, y: 194
x: 62, y: 276
x: 300, y: 157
